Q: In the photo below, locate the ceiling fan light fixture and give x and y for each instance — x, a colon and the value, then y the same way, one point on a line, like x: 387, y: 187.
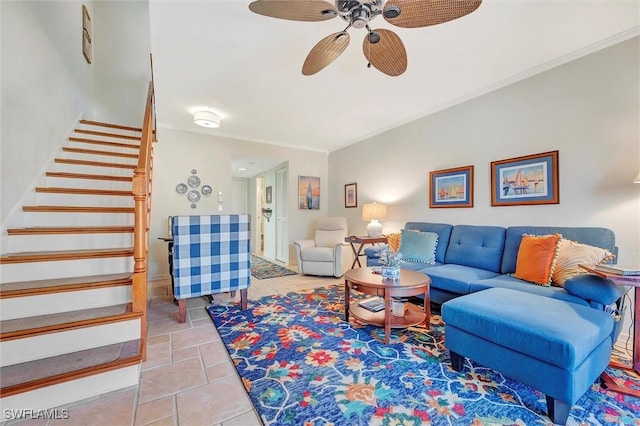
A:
x: 206, y: 119
x: 391, y: 12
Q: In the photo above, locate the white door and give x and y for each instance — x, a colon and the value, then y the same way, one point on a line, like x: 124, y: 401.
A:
x: 239, y: 196
x: 282, y: 231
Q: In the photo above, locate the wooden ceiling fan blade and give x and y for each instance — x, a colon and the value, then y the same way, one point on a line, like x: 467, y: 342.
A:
x: 325, y: 52
x: 385, y: 51
x: 295, y: 10
x: 423, y: 13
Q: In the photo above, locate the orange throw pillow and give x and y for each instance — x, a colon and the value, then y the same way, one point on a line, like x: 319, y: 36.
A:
x: 537, y: 257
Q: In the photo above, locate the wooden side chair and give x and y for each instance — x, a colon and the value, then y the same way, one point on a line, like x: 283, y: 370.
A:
x: 211, y: 254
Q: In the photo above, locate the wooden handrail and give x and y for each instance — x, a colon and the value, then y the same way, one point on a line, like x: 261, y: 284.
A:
x: 141, y: 186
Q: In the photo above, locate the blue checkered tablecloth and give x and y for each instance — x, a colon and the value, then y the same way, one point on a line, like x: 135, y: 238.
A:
x: 211, y: 254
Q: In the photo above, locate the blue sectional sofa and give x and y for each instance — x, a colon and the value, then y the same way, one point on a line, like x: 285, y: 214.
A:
x: 470, y: 258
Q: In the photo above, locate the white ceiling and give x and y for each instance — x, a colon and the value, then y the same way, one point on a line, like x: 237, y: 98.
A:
x: 247, y: 67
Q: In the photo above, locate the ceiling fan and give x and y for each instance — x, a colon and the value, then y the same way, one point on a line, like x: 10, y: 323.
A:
x: 382, y: 48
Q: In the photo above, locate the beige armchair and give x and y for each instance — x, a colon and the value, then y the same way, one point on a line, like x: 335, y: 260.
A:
x: 327, y: 254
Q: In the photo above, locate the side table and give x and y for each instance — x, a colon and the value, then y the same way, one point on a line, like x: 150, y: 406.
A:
x: 353, y: 240
x: 627, y: 281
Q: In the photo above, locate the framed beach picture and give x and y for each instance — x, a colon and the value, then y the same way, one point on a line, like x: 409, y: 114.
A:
x: 531, y: 179
x: 351, y: 195
x: 308, y: 193
x: 451, y: 187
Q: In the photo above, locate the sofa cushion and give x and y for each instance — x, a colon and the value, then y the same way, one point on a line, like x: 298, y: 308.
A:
x: 442, y: 229
x: 455, y: 278
x: 417, y: 246
x: 571, y: 254
x: 476, y: 246
x: 594, y: 288
x: 599, y: 237
x: 317, y: 254
x: 537, y: 257
x: 510, y: 282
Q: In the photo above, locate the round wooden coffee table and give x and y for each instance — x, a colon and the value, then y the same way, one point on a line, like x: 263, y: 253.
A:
x: 411, y: 283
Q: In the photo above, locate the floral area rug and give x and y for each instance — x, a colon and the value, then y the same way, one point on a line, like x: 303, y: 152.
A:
x: 263, y: 269
x: 302, y: 364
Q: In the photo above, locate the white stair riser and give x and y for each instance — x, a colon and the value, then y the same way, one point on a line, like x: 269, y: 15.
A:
x: 61, y: 182
x: 109, y: 148
x: 78, y: 219
x: 80, y: 126
x: 67, y: 268
x: 51, y: 242
x: 56, y: 199
x: 47, y: 345
x: 72, y: 391
x: 81, y: 168
x: 97, y: 157
x: 46, y: 304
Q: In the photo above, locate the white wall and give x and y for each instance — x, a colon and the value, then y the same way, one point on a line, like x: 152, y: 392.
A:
x: 46, y: 83
x: 588, y: 109
x: 46, y: 86
x: 177, y: 152
x: 122, y: 47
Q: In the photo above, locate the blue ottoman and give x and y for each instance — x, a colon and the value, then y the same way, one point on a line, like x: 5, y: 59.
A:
x: 556, y: 347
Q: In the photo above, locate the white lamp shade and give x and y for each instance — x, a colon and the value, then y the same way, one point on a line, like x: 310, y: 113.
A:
x: 637, y: 179
x: 374, y: 211
x: 206, y: 119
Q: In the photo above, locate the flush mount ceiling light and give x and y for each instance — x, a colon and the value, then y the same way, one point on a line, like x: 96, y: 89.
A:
x: 206, y: 119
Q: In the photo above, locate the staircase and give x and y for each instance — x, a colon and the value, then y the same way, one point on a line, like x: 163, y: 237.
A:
x: 72, y: 322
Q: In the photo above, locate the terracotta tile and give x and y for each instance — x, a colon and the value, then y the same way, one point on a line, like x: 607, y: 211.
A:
x: 166, y: 326
x: 157, y: 340
x: 214, y: 353
x: 186, y: 353
x: 191, y: 337
x: 221, y: 370
x: 167, y: 421
x: 154, y: 411
x: 157, y: 355
x: 101, y: 411
x: 231, y: 400
x: 170, y: 379
x: 198, y: 313
x: 250, y: 418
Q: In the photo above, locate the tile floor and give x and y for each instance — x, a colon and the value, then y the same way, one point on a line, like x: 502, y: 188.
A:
x: 188, y: 378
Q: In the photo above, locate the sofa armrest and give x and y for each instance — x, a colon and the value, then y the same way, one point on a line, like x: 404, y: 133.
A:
x: 374, y: 250
x: 595, y: 289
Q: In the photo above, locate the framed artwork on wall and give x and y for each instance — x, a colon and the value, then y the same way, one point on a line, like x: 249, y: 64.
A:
x: 531, y: 179
x: 308, y: 193
x: 451, y: 187
x: 351, y: 195
x: 86, y: 34
x: 268, y: 194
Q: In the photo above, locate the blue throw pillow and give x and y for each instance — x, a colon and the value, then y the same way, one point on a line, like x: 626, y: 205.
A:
x: 417, y: 246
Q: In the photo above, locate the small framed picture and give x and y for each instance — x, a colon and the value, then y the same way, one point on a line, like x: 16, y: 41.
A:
x: 268, y: 195
x: 451, y: 187
x: 351, y: 195
x: 531, y: 179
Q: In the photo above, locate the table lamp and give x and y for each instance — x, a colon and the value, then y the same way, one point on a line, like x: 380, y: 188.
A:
x: 374, y: 212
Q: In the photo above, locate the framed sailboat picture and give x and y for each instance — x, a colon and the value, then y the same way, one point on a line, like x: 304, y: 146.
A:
x: 308, y: 193
x: 451, y: 187
x: 531, y: 179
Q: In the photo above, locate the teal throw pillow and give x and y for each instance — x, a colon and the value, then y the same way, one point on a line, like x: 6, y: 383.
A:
x: 417, y: 246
